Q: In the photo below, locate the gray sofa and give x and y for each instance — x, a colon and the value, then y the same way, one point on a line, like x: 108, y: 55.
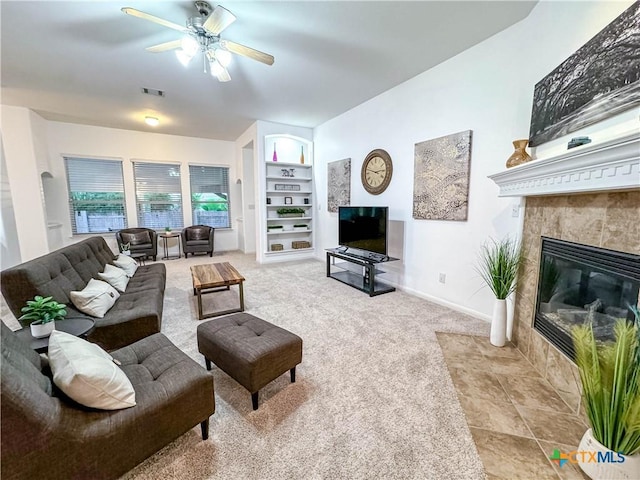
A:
x: 44, y: 434
x: 135, y: 315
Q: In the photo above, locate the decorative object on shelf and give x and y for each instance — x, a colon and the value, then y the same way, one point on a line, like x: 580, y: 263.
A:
x: 301, y: 226
x: 41, y: 314
x: 167, y: 229
x: 306, y: 201
x: 581, y: 91
x: 520, y: 155
x: 285, y: 187
x: 300, y: 244
x: 377, y: 170
x: 274, y: 227
x: 277, y: 247
x: 498, y: 267
x: 611, y: 397
x: 288, y: 200
x: 577, y: 141
x: 275, y: 155
x: 268, y: 201
x: 290, y: 212
x: 302, y: 154
x: 338, y: 184
x: 288, y: 172
x: 441, y: 177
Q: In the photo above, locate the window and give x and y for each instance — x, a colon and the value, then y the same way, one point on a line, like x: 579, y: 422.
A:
x: 158, y: 195
x: 96, y: 195
x: 210, y: 196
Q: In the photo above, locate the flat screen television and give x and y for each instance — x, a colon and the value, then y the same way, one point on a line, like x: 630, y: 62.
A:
x: 364, y: 228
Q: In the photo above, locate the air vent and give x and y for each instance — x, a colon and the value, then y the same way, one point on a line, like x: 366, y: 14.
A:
x: 153, y: 91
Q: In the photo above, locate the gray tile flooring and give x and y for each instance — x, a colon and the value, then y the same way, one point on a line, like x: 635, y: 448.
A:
x: 516, y: 418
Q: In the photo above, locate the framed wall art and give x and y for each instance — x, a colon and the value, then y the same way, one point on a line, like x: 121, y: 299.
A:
x: 338, y: 184
x: 600, y: 80
x: 441, y: 177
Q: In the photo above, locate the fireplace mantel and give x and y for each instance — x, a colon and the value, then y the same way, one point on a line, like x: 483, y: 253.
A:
x: 606, y: 166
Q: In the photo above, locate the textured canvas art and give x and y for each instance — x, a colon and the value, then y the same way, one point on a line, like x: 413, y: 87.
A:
x: 441, y: 177
x: 600, y: 80
x: 338, y: 184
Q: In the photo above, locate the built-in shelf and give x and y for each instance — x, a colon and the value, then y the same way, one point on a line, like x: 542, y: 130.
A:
x: 290, y: 250
x: 606, y: 166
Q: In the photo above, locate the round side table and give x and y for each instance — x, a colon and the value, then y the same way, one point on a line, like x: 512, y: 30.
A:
x: 165, y: 237
x: 75, y: 326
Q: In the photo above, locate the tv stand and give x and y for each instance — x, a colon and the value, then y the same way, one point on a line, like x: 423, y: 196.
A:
x: 358, y: 271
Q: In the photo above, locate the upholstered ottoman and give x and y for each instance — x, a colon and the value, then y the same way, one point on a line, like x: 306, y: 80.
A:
x: 248, y: 349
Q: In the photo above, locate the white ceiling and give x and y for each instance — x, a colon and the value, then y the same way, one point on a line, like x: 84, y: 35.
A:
x: 84, y: 61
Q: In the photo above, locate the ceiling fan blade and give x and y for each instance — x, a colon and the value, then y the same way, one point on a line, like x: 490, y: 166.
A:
x: 224, y: 76
x: 163, y: 47
x: 154, y: 19
x: 218, y: 20
x: 247, y: 52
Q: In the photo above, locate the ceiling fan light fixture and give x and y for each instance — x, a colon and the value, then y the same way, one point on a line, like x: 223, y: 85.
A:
x: 223, y: 56
x: 152, y: 121
x: 216, y: 68
x: 189, y: 45
x: 183, y: 58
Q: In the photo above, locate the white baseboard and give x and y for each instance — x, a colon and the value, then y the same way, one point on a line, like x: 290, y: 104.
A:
x: 448, y: 304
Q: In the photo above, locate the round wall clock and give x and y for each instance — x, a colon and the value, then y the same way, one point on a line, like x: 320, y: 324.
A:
x: 376, y: 172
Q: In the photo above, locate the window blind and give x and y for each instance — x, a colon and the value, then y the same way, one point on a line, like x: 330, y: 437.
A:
x: 158, y: 195
x: 210, y: 196
x: 96, y: 195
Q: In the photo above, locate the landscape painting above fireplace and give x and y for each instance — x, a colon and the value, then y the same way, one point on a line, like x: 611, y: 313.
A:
x: 580, y: 284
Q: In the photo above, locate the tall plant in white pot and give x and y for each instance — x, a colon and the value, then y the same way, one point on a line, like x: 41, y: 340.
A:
x: 498, y: 266
x: 610, y: 376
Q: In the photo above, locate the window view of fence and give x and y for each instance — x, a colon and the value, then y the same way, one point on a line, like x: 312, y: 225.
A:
x: 158, y: 195
x: 210, y: 196
x: 96, y: 202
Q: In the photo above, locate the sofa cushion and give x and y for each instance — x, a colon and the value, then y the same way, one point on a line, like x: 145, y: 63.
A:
x: 126, y: 263
x: 87, y: 374
x: 116, y: 277
x: 95, y: 299
x: 197, y: 233
x: 23, y: 359
x: 137, y: 238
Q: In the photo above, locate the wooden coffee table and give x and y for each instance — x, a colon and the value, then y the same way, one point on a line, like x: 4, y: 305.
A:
x: 215, y: 277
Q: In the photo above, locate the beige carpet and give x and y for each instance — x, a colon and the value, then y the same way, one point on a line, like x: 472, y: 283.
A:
x: 372, y: 398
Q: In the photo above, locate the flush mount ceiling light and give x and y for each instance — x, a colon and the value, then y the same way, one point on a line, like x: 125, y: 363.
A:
x: 152, y: 121
x: 202, y: 36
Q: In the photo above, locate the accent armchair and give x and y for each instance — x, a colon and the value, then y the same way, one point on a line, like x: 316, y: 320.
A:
x: 197, y: 238
x: 140, y: 240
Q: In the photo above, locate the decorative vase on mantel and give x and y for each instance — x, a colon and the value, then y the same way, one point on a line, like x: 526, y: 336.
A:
x: 519, y: 156
x: 275, y: 155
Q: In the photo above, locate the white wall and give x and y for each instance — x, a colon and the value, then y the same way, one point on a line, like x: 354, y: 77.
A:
x: 23, y: 169
x: 487, y: 89
x: 67, y: 139
x: 9, y: 246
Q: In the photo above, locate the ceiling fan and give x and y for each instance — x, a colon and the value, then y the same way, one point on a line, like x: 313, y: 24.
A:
x: 202, y: 34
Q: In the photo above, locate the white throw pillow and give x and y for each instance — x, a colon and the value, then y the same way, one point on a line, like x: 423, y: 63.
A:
x: 114, y: 276
x: 128, y: 264
x: 95, y: 299
x: 87, y: 374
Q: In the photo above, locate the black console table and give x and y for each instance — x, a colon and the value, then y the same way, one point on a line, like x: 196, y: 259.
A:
x: 358, y: 270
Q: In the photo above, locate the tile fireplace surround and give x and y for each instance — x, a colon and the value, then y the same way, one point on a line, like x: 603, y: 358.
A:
x: 588, y: 195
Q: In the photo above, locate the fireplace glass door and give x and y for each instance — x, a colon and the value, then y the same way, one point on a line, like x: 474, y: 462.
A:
x: 581, y: 284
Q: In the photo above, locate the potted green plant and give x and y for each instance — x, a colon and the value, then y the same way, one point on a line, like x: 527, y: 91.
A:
x: 290, y: 212
x: 300, y: 226
x: 498, y: 266
x: 167, y: 229
x: 41, y: 313
x: 610, y: 377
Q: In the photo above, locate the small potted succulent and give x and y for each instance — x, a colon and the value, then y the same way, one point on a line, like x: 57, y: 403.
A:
x: 41, y: 314
x: 167, y: 229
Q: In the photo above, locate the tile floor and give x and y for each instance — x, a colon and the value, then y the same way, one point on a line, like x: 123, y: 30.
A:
x: 515, y: 416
